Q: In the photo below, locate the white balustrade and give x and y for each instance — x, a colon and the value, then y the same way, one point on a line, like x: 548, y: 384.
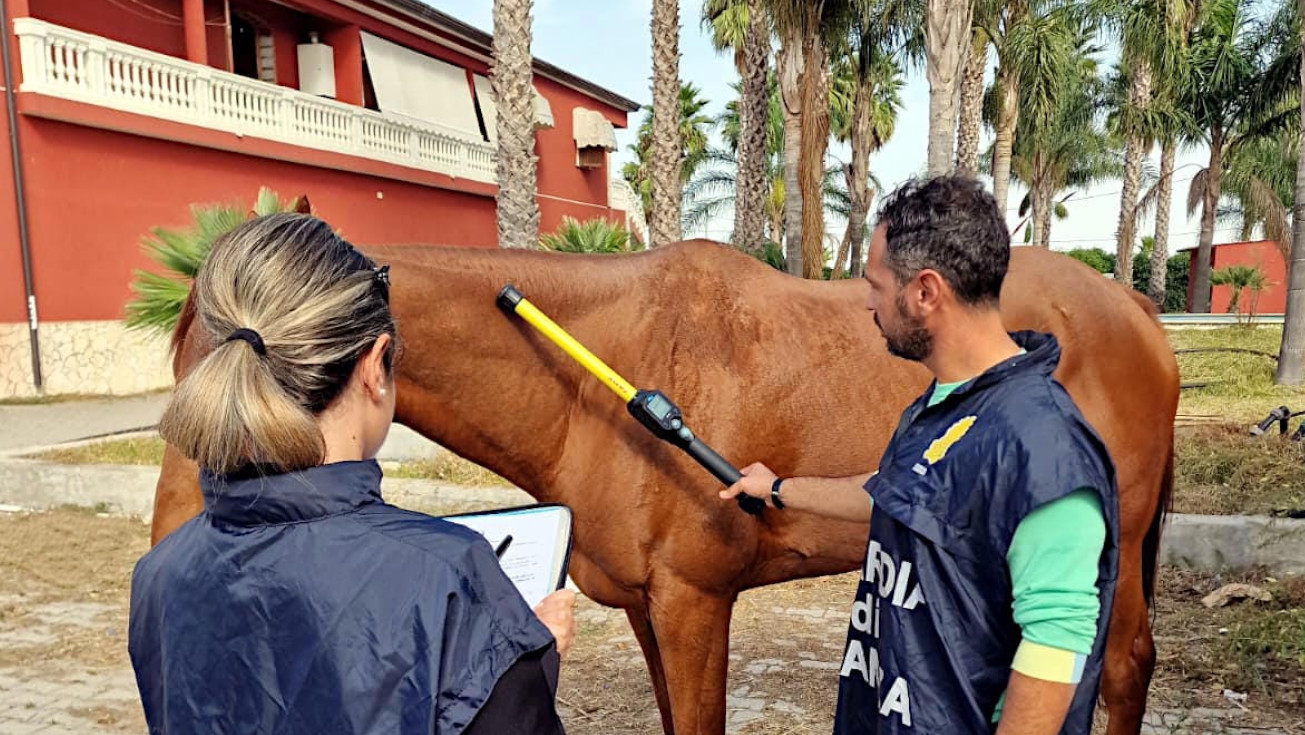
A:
x: 68, y: 64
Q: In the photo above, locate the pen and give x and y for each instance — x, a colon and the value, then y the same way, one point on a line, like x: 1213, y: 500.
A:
x: 502, y: 546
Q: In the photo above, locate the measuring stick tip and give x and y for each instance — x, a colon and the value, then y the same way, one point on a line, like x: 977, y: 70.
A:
x: 509, y: 298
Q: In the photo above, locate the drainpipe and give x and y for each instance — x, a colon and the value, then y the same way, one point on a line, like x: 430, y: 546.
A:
x: 20, y: 201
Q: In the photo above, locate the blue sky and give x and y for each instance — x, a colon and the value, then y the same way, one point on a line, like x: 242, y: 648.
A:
x: 608, y: 42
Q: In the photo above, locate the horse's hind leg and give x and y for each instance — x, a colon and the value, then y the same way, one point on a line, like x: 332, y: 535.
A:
x: 643, y: 631
x: 1130, y: 652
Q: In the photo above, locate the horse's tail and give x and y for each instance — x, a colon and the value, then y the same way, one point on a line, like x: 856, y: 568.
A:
x: 1151, y: 542
x: 1164, y: 504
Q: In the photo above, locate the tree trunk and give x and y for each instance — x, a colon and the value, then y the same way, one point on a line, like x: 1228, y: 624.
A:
x: 1040, y: 199
x: 776, y: 226
x: 754, y: 108
x: 664, y: 224
x: 967, y: 134
x: 1291, y: 356
x: 1139, y: 94
x: 946, y: 37
x: 1008, y: 117
x: 836, y: 271
x: 1201, y: 279
x: 517, y: 208
x: 815, y: 141
x: 858, y: 173
x: 1160, y: 250
x: 790, y: 65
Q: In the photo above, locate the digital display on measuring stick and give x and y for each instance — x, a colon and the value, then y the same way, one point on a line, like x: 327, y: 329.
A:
x: 659, y: 407
x: 656, y: 411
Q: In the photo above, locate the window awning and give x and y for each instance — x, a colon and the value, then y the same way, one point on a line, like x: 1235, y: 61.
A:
x: 592, y: 130
x: 543, y: 114
x: 543, y: 111
x: 414, y: 85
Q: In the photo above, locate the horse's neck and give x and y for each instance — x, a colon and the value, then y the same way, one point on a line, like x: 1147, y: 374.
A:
x: 481, y: 382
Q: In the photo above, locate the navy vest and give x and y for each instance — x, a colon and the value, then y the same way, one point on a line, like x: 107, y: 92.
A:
x: 932, y: 636
x: 302, y: 604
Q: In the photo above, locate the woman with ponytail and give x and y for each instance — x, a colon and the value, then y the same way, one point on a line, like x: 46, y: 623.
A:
x: 298, y: 601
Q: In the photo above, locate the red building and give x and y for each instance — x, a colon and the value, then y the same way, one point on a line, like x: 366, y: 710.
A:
x: 129, y: 111
x: 1262, y: 254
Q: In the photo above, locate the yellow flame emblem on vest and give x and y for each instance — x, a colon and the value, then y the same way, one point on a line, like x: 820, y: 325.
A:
x: 940, y: 446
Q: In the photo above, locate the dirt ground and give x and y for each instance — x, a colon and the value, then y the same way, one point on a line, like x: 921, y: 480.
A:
x: 64, y: 580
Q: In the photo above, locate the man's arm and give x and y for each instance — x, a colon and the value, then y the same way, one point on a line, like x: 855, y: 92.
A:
x: 1034, y: 706
x: 1053, y: 566
x: 840, y: 498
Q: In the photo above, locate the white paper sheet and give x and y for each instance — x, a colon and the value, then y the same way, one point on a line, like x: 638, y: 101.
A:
x: 537, y: 555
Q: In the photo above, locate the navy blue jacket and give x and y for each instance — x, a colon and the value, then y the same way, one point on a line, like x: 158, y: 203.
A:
x: 932, y: 635
x: 302, y: 603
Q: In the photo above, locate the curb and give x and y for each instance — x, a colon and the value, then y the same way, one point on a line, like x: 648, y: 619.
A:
x: 1234, y: 543
x: 129, y: 490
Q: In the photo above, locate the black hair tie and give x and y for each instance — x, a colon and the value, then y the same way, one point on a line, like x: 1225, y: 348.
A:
x: 251, y: 337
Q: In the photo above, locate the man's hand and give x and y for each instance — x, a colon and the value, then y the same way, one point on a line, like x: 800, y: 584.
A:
x: 557, y: 613
x: 755, y: 483
x: 842, y: 498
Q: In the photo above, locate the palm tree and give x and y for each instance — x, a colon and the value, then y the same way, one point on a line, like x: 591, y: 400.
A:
x: 1000, y: 20
x: 1153, y: 34
x: 1061, y: 141
x: 714, y: 192
x: 744, y: 26
x: 1156, y: 286
x: 1259, y: 183
x: 592, y: 236
x: 694, y: 125
x: 971, y: 111
x: 866, y: 93
x: 1291, y: 355
x: 160, y: 297
x: 806, y: 28
x: 1239, y: 278
x: 665, y: 148
x: 1224, y: 102
x: 1171, y: 124
x: 510, y: 76
x: 947, y: 40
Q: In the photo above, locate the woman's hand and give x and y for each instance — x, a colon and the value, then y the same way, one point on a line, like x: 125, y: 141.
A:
x: 557, y: 612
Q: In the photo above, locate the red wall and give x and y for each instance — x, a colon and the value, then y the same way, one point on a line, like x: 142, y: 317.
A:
x: 138, y: 27
x: 1262, y: 254
x: 13, y: 300
x: 93, y: 193
x: 83, y: 263
x: 558, y: 174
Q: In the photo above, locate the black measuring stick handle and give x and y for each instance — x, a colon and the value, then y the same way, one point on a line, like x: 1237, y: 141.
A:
x: 714, y: 463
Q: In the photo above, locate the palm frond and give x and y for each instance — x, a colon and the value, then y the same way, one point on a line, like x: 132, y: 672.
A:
x: 180, y: 253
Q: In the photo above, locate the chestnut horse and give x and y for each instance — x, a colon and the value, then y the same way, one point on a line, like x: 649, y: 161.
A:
x: 766, y: 367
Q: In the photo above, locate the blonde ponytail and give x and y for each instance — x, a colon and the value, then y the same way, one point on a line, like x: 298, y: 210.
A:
x: 309, y: 305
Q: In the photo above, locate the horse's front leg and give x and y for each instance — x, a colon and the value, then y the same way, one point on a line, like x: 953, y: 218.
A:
x: 692, y: 630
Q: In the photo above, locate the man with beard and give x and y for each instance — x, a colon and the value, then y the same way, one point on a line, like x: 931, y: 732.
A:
x: 990, y: 570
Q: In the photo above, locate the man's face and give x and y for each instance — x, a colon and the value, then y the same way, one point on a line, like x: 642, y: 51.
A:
x: 903, y: 331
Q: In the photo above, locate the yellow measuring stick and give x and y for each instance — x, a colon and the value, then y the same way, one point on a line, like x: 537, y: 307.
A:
x: 652, y: 408
x: 558, y: 336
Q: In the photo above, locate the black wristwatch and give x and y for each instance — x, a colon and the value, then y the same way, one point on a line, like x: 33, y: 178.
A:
x: 774, y: 494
